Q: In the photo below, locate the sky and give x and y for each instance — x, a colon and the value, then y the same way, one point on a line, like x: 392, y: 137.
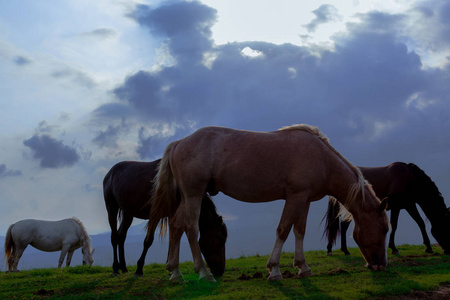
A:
x: 86, y: 84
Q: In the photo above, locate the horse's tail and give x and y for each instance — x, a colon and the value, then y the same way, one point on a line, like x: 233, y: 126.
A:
x: 9, y: 244
x: 164, y: 199
x: 332, y: 228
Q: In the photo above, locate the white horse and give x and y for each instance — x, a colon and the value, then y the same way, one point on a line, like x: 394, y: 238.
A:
x: 66, y: 235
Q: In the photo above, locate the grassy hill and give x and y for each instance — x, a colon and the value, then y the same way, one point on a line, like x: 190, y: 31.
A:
x: 338, y: 276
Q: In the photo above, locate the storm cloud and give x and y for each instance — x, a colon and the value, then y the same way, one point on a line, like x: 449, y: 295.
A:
x: 367, y: 91
x: 324, y: 14
x: 5, y: 172
x: 50, y: 152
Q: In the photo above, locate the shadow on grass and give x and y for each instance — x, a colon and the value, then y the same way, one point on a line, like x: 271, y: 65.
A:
x: 306, y: 289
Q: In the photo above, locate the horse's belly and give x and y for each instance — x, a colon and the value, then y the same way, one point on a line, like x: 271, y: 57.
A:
x: 253, y: 192
x: 46, y: 246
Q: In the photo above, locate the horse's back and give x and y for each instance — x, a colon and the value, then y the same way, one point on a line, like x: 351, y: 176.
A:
x: 128, y: 184
x: 45, y: 235
x: 251, y: 166
x: 390, y: 180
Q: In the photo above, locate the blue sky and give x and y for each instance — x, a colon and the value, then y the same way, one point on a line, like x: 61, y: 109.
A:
x: 86, y: 84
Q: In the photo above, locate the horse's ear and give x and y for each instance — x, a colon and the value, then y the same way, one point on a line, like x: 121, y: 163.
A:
x: 384, y: 204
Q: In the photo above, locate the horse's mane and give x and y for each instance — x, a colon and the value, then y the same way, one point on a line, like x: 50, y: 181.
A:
x: 423, y: 177
x: 311, y: 129
x: 356, y: 188
x: 85, y: 238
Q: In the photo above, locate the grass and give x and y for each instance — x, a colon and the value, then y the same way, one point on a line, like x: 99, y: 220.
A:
x: 335, y: 277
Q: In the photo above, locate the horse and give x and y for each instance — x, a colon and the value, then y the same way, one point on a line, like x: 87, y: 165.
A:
x: 65, y: 235
x: 404, y: 185
x: 126, y: 189
x: 295, y: 163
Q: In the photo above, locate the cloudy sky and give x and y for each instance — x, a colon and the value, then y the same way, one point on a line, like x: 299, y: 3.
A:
x: 85, y: 84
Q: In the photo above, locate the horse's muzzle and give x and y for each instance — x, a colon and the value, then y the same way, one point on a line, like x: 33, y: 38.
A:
x: 376, y: 267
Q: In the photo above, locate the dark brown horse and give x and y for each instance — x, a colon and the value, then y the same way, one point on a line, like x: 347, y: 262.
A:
x: 127, y: 188
x: 404, y: 185
x: 295, y: 163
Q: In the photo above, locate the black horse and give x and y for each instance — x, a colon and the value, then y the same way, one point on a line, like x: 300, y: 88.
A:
x: 127, y: 189
x: 404, y: 185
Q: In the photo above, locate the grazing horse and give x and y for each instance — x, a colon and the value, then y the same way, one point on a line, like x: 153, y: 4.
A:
x: 404, y: 185
x: 65, y: 235
x: 295, y: 163
x: 127, y: 188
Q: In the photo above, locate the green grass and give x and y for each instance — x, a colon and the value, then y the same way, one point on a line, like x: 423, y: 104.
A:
x: 335, y: 277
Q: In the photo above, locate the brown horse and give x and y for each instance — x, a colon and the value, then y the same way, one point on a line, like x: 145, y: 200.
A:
x: 296, y: 163
x: 126, y: 189
x: 405, y: 185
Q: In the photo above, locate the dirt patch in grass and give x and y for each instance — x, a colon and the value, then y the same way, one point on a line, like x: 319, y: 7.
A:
x: 257, y: 275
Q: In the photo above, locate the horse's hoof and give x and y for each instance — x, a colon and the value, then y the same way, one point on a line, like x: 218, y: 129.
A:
x: 137, y: 275
x: 329, y: 253
x: 208, y: 278
x: 395, y: 252
x: 429, y: 250
x: 276, y: 277
x: 179, y: 279
x: 305, y: 274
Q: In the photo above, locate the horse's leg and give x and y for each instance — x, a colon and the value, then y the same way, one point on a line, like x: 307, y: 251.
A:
x: 122, y: 235
x: 414, y: 213
x: 69, y: 258
x: 329, y: 248
x: 113, y: 211
x: 65, y: 248
x: 192, y: 215
x: 344, y: 227
x: 299, y: 232
x: 173, y: 257
x: 394, y: 221
x: 290, y: 212
x: 140, y: 264
x: 13, y: 260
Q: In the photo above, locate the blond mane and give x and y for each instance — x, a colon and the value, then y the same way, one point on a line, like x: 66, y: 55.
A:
x: 355, y: 189
x: 308, y: 128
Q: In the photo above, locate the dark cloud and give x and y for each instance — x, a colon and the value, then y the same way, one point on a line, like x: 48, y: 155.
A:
x: 324, y: 14
x: 369, y: 93
x: 186, y: 25
x: 101, y: 33
x: 22, y: 60
x: 109, y: 136
x: 5, y: 172
x: 51, y: 152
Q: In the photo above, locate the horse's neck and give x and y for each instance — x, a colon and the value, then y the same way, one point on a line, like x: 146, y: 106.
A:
x: 85, y: 242
x: 433, y: 210
x: 84, y: 238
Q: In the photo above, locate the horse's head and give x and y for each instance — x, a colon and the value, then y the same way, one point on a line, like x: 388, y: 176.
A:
x: 440, y: 230
x: 371, y: 227
x: 212, y: 244
x: 87, y: 257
